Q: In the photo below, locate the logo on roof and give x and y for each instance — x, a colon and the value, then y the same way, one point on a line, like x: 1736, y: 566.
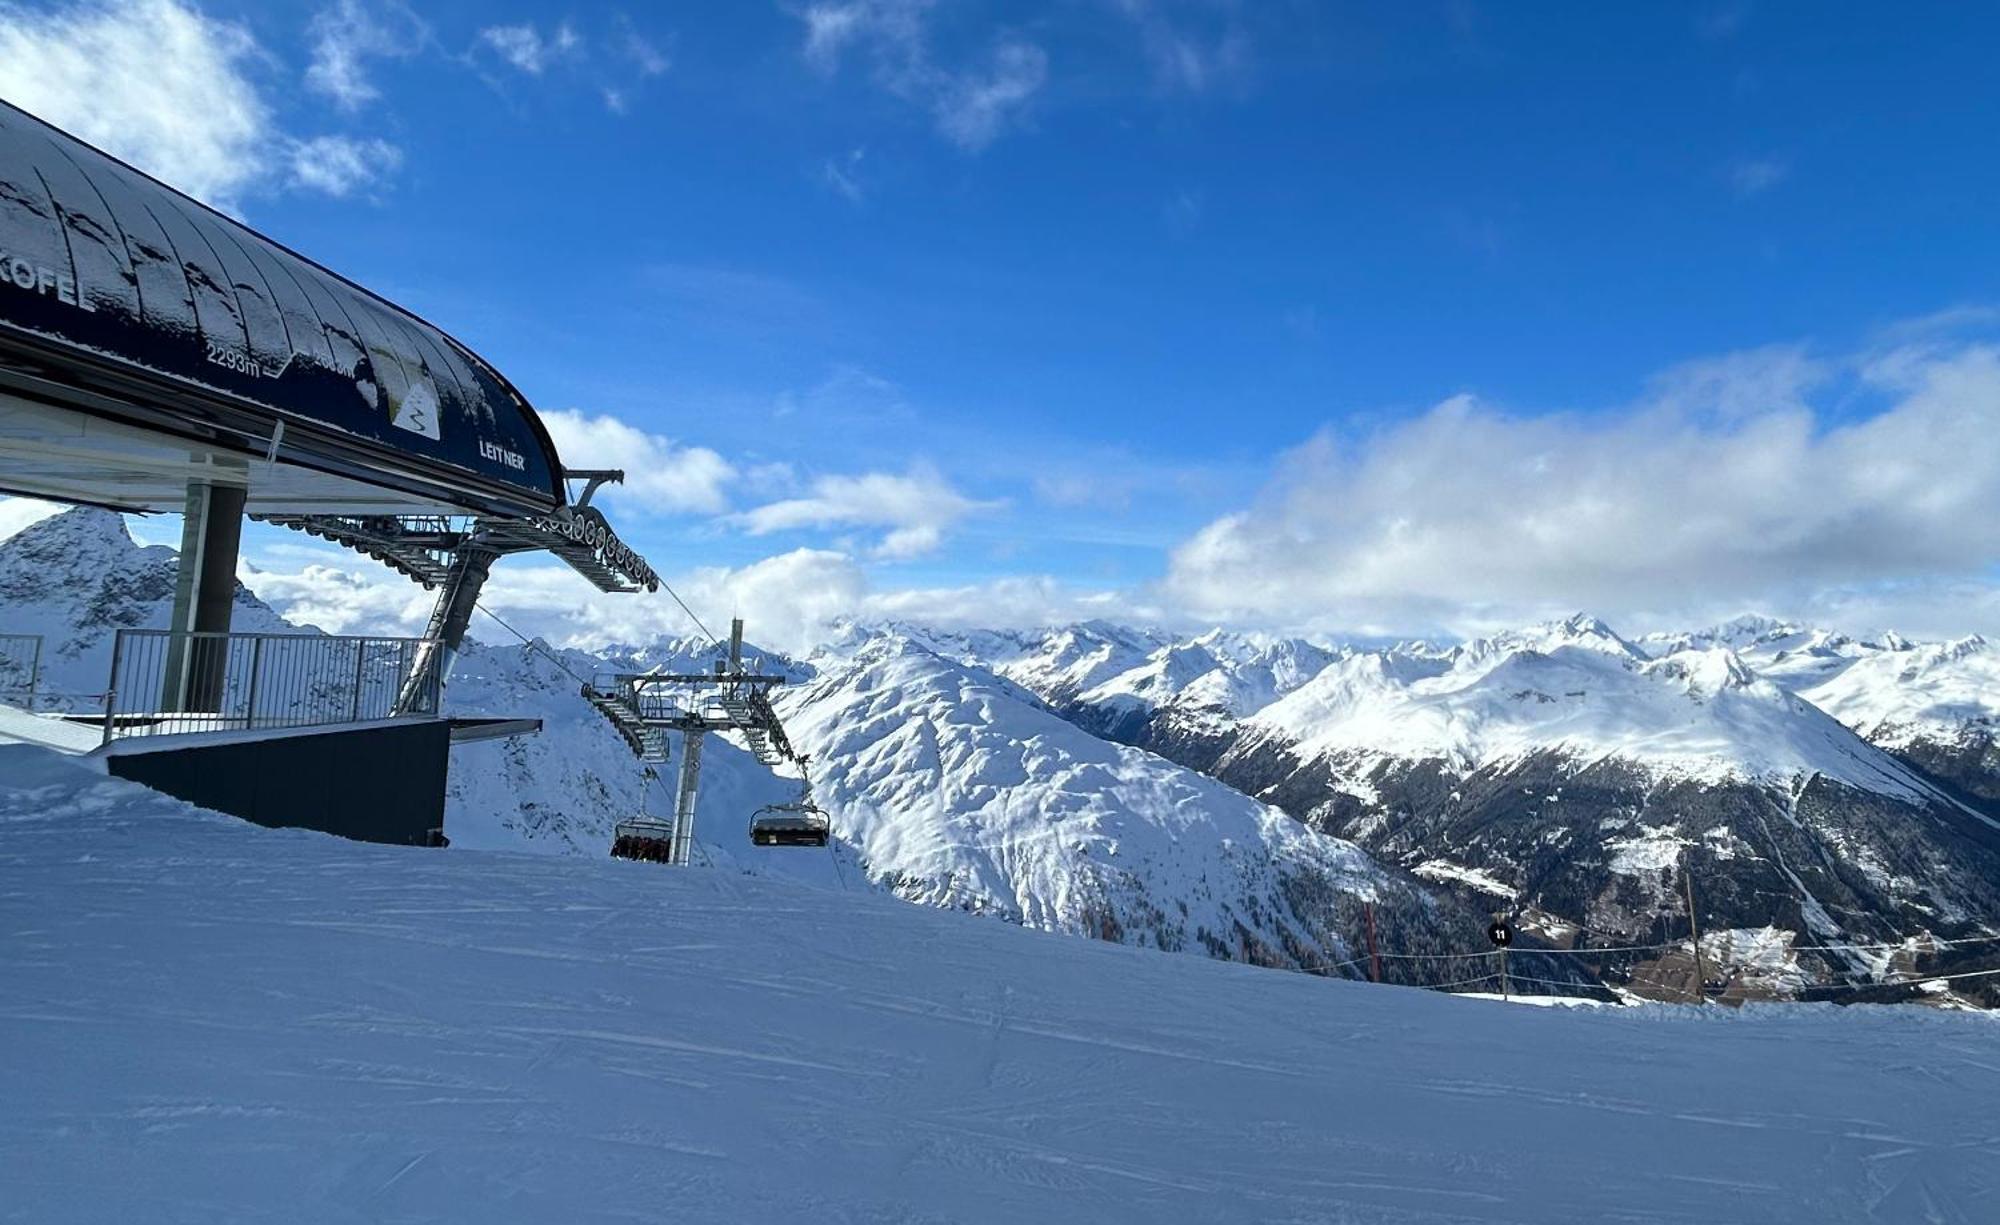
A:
x: 418, y: 413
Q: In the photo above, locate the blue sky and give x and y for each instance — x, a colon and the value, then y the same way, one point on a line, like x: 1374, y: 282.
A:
x: 1109, y: 297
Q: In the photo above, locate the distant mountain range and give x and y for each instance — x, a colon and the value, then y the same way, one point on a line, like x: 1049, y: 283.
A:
x: 1822, y: 789
x: 1252, y: 797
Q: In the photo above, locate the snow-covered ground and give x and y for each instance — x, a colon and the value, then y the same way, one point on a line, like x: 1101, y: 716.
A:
x: 204, y: 1021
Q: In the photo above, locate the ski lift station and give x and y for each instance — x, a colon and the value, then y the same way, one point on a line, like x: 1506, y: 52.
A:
x: 158, y: 356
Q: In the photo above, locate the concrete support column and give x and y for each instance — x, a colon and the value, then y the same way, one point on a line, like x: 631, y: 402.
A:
x: 204, y: 596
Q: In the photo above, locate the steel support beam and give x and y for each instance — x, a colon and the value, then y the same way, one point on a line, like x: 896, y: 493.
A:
x: 204, y: 595
x: 470, y: 564
x: 690, y: 783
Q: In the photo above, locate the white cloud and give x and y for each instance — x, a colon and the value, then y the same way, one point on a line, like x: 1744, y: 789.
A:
x: 791, y: 601
x: 918, y: 508
x: 660, y: 475
x: 1185, y: 59
x: 894, y: 27
x: 972, y: 104
x: 644, y: 53
x: 525, y: 47
x: 1753, y: 176
x: 342, y: 597
x: 788, y: 602
x: 1467, y: 515
x: 842, y: 175
x: 17, y: 513
x: 154, y: 81
x: 339, y: 165
x: 1182, y: 212
x: 1741, y: 384
x: 170, y: 90
x: 976, y: 106
x: 347, y: 35
x: 1015, y: 602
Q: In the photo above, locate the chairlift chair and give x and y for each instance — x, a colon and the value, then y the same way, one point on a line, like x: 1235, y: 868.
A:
x: 644, y: 836
x: 798, y: 823
x: 789, y: 825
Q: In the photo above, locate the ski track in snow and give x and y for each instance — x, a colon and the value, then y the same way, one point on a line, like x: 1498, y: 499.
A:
x: 204, y: 1021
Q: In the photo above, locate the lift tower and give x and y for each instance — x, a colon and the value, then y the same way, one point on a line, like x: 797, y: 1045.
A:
x: 647, y: 706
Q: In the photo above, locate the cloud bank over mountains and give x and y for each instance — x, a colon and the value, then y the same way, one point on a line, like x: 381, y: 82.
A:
x: 1862, y: 493
x: 1752, y: 481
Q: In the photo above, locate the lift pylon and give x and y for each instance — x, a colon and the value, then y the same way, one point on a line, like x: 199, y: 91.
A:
x: 647, y: 706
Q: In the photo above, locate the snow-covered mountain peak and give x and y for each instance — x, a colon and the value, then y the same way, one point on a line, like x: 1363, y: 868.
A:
x: 82, y: 541
x: 1748, y: 635
x: 1343, y: 689
x: 1698, y: 713
x: 1580, y: 631
x: 1707, y: 672
x: 1938, y: 691
x: 77, y: 578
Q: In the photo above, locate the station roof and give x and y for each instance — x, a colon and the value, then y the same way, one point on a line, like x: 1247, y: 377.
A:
x: 123, y: 298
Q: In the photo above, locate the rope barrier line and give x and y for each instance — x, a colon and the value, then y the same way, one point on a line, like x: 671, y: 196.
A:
x: 1831, y: 948
x: 1586, y: 952
x: 1463, y: 982
x: 1915, y: 980
x: 1910, y: 980
x: 1651, y: 948
x: 1449, y: 956
x: 1550, y: 982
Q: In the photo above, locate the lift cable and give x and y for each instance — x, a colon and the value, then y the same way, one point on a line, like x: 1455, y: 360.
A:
x: 532, y: 644
x: 712, y: 639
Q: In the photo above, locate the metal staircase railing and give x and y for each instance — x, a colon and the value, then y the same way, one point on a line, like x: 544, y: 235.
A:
x: 620, y: 707
x: 755, y: 728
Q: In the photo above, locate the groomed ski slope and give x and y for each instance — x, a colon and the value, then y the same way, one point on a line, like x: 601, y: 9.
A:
x: 205, y: 1021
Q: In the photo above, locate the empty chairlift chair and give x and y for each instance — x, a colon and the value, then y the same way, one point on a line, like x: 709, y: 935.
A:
x: 799, y: 823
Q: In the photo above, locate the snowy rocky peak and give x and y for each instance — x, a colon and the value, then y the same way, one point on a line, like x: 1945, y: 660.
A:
x: 1706, y: 673
x: 80, y: 544
x: 1294, y: 661
x: 1246, y: 680
x: 1076, y: 658
x: 693, y: 653
x: 1130, y: 674
x: 1580, y: 631
x: 1694, y: 714
x: 1939, y: 691
x: 1750, y: 632
x: 985, y: 648
x: 77, y: 578
x: 1345, y: 689
x: 1162, y: 676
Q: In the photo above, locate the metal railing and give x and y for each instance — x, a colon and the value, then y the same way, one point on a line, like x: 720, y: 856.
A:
x: 167, y: 682
x: 20, y: 669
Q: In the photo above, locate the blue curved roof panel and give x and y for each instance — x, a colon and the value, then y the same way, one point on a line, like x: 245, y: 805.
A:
x: 102, y: 262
